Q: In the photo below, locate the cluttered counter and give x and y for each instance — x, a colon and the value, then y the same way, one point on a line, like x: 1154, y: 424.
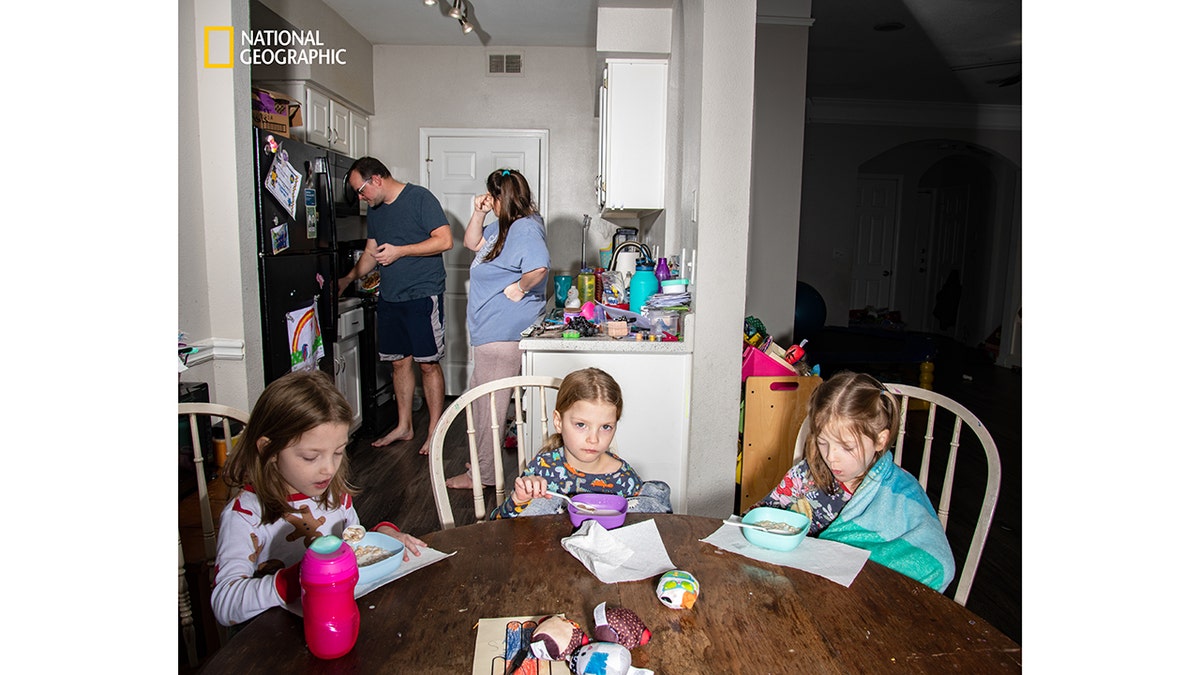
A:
x: 553, y: 341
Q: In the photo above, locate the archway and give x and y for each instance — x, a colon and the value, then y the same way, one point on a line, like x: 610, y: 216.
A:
x: 955, y: 210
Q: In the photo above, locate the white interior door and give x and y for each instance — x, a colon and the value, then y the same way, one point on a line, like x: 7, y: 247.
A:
x: 457, y: 162
x: 875, y: 244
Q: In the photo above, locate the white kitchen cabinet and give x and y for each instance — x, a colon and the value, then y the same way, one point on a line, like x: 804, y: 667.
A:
x: 316, y: 117
x: 339, y: 125
x: 360, y: 128
x: 656, y: 386
x: 327, y: 121
x: 633, y: 135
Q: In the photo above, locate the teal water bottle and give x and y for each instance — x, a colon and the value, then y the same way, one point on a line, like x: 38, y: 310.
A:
x: 642, y: 285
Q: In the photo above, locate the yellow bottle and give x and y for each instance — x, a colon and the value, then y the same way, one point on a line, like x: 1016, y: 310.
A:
x: 586, y: 283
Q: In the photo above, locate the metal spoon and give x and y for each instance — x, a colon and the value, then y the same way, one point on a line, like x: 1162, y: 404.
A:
x: 748, y: 526
x: 586, y: 508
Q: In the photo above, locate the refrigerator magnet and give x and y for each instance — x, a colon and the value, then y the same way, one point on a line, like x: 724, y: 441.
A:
x: 283, y: 182
x: 279, y: 239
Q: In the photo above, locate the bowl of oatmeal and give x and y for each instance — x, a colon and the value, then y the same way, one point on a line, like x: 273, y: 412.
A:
x: 378, y: 554
x: 794, y: 524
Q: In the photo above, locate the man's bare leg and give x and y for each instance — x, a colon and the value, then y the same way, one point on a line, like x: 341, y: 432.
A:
x: 433, y: 382
x: 404, y: 385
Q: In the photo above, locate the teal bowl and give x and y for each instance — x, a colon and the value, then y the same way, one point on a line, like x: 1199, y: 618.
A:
x: 775, y: 542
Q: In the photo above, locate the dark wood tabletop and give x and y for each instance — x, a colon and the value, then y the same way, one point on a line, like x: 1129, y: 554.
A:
x: 751, y: 617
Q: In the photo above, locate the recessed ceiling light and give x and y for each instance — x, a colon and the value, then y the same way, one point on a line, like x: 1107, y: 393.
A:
x: 888, y: 26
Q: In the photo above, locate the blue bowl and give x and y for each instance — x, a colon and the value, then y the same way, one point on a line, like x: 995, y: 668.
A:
x: 369, y: 574
x: 775, y: 542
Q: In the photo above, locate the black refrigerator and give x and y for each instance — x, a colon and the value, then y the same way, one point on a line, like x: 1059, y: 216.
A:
x: 296, y: 245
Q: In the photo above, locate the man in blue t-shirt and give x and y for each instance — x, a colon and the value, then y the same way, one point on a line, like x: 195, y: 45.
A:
x: 407, y: 231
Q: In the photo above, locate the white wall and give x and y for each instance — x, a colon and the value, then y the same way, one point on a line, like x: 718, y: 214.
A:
x: 725, y: 31
x: 419, y: 87
x: 781, y: 58
x: 218, y: 269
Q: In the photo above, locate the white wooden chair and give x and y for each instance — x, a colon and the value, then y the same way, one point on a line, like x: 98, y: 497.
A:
x: 532, y: 386
x: 906, y: 394
x: 197, y: 414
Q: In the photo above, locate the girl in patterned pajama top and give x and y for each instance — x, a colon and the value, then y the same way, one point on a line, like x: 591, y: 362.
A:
x: 576, y: 458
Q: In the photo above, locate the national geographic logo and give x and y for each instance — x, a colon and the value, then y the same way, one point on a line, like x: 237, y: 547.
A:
x: 268, y: 47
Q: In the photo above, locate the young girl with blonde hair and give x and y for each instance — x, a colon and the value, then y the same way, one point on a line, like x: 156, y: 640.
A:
x: 577, y: 457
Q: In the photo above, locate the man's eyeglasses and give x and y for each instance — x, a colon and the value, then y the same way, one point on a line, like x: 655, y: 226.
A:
x: 362, y: 187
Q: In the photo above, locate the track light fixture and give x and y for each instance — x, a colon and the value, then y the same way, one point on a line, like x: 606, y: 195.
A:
x: 458, y: 10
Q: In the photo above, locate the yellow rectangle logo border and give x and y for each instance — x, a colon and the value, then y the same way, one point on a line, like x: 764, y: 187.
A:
x: 208, y: 63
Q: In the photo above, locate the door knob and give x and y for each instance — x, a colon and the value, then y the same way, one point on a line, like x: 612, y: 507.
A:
x: 887, y: 273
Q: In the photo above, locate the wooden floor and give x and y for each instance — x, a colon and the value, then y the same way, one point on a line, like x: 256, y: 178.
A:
x: 395, y: 487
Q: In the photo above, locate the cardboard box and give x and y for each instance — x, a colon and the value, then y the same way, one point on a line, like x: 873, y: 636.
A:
x: 274, y: 112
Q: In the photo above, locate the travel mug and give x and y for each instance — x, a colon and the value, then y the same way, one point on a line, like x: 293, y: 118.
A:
x: 562, y: 284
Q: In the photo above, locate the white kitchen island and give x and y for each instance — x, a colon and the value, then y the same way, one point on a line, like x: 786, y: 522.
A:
x: 656, y: 386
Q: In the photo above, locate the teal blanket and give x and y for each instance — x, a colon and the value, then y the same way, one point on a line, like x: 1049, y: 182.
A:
x: 891, y: 517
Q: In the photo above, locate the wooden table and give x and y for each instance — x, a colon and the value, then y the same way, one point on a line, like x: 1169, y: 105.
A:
x: 751, y: 617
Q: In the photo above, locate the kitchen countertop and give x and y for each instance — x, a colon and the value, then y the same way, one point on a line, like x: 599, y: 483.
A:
x: 604, y: 344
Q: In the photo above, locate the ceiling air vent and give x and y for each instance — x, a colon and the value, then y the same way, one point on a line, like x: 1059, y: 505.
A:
x: 506, y: 64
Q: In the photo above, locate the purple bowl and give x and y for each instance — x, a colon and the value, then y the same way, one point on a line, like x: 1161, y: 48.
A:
x: 600, y: 501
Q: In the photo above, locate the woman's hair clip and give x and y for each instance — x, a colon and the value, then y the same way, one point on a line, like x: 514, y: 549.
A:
x: 504, y: 172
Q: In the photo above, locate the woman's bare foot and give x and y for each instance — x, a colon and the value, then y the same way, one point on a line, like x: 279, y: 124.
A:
x: 395, y: 435
x: 462, y: 481
x: 424, y: 448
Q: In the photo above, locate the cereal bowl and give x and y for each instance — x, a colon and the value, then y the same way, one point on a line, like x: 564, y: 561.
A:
x: 377, y: 544
x: 772, y: 517
x: 600, y: 501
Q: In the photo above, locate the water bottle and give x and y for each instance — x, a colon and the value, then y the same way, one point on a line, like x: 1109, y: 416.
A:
x: 642, y: 285
x: 598, y: 274
x: 328, y: 574
x: 662, y: 271
x: 586, y: 283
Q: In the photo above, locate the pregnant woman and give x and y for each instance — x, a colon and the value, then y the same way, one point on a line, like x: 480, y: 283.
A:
x: 506, y: 296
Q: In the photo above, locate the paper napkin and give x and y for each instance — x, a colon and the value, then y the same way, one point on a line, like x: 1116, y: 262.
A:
x: 629, y: 553
x: 833, y: 560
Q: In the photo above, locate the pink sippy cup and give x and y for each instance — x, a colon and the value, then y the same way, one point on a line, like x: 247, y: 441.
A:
x: 328, y: 574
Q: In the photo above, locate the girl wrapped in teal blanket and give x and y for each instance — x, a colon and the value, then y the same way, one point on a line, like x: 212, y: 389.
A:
x: 853, y: 491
